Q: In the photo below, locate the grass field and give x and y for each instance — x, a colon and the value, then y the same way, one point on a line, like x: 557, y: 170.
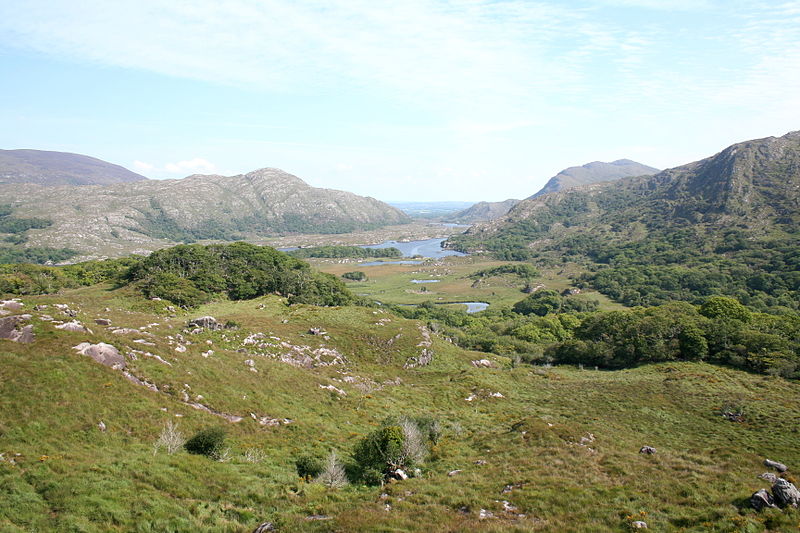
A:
x: 557, y: 452
x: 391, y: 283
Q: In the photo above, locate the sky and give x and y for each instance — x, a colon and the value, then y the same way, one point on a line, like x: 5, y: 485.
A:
x: 404, y: 100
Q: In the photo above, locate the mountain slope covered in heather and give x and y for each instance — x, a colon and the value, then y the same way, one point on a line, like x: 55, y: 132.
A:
x: 60, y: 168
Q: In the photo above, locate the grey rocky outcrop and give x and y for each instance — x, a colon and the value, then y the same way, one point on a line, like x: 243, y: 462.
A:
x: 205, y: 322
x: 103, y: 353
x: 647, y: 450
x: 11, y: 328
x: 768, y: 476
x: 762, y: 499
x: 785, y: 494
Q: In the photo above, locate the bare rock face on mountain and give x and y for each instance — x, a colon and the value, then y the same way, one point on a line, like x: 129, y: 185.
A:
x: 147, y: 215
x: 595, y: 172
x: 483, y: 211
x: 60, y: 168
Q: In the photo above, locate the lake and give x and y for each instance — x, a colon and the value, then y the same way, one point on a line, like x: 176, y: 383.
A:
x: 427, y: 248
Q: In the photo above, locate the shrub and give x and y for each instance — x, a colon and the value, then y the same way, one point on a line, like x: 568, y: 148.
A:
x: 207, y: 442
x: 332, y: 474
x: 378, y: 453
x: 355, y: 276
x: 308, y: 467
x: 170, y: 439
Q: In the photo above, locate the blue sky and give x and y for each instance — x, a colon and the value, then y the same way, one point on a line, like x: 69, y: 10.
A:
x: 409, y: 100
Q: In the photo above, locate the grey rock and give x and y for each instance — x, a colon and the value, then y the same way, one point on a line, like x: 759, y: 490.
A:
x: 263, y: 528
x: 780, y: 467
x: 10, y: 329
x: 647, y: 450
x: 12, y: 305
x: 102, y: 321
x: 454, y: 472
x: 638, y: 524
x: 768, y: 476
x: 103, y: 353
x: 761, y: 499
x: 785, y: 494
x: 205, y: 322
x: 74, y: 325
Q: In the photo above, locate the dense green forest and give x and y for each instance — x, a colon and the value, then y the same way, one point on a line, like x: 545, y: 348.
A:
x: 345, y: 251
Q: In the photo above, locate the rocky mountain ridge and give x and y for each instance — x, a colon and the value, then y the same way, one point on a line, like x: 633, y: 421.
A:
x: 141, y: 216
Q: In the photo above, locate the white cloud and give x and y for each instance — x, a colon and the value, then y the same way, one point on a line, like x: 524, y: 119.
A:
x: 195, y: 166
x: 141, y: 166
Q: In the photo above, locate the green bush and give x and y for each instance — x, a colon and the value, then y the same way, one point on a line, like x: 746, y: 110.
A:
x: 308, y: 467
x: 378, y: 453
x: 355, y: 276
x: 208, y: 442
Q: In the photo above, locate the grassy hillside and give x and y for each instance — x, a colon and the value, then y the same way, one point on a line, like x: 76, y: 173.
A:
x: 557, y: 450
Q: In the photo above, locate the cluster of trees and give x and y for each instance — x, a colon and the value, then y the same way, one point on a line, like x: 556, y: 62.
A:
x: 26, y: 278
x: 190, y: 274
x: 345, y: 251
x: 523, y: 270
x: 546, y: 301
x: 355, y: 276
x: 721, y: 330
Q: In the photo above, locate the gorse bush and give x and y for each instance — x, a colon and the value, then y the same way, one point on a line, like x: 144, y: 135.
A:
x: 208, y: 442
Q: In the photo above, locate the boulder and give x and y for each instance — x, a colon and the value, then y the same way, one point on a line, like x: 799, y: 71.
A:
x: 264, y: 528
x: 74, y: 325
x: 205, y: 322
x: 768, y: 476
x: 761, y: 499
x: 638, y: 524
x: 102, y: 321
x: 103, y: 353
x: 785, y: 494
x: 12, y: 305
x: 10, y: 329
x: 647, y: 450
x: 780, y: 467
x: 454, y: 472
x: 482, y: 363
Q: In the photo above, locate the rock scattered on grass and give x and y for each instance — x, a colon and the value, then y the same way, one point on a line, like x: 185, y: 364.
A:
x: 780, y: 467
x: 102, y: 321
x: 264, y: 528
x: 204, y: 322
x: 638, y: 524
x: 103, y: 353
x: 785, y: 494
x: 762, y: 499
x: 768, y: 476
x: 75, y: 326
x: 10, y: 329
x: 647, y: 450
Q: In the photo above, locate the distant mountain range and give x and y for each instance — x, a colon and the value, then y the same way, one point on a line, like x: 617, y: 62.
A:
x: 143, y: 215
x: 60, y: 168
x: 728, y: 224
x: 566, y: 179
